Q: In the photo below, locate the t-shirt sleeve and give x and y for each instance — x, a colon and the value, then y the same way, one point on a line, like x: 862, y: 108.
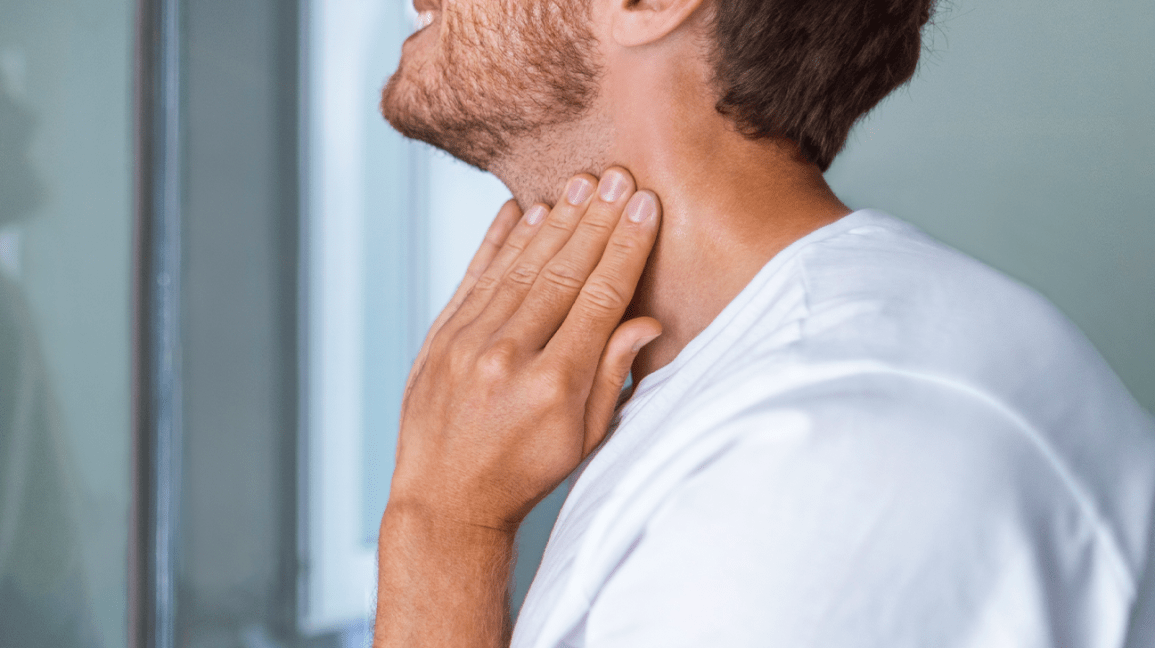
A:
x: 907, y: 515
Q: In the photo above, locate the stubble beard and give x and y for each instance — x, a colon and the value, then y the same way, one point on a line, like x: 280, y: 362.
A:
x: 509, y: 90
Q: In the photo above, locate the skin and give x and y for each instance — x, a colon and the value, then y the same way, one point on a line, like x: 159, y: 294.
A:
x: 519, y: 376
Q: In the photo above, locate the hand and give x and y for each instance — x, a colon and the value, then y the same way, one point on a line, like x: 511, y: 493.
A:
x: 517, y: 381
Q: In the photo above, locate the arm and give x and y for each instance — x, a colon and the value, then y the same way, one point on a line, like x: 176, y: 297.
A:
x: 514, y: 388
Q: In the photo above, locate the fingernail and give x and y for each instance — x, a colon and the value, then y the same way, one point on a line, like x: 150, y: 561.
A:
x: 612, y: 186
x: 641, y: 207
x: 535, y: 215
x: 579, y: 190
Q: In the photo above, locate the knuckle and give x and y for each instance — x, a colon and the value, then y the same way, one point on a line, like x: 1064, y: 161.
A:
x: 563, y: 276
x: 455, y: 345
x: 485, y: 282
x: 559, y: 225
x: 497, y: 362
x: 473, y: 275
x: 600, y: 221
x: 625, y: 246
x: 514, y: 245
x: 495, y: 238
x: 522, y: 274
x: 604, y: 297
x: 554, y: 389
x: 457, y: 364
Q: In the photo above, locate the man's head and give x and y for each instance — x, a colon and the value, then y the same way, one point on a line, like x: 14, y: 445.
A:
x: 489, y: 75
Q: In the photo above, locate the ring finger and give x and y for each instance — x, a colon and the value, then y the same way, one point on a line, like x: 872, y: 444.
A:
x: 519, y: 275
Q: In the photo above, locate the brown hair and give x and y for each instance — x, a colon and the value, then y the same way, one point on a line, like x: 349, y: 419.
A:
x: 807, y: 70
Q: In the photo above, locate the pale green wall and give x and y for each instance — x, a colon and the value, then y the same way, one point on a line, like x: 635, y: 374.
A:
x: 1027, y: 139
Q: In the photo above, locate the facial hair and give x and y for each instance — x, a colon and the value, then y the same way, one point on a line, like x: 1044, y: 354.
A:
x: 502, y: 73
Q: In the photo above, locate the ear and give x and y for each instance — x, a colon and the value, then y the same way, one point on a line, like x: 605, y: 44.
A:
x: 641, y: 22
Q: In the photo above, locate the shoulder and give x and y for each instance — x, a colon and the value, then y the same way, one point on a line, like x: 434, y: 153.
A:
x: 889, y: 511
x: 916, y: 297
x: 846, y: 426
x: 887, y: 305
x: 914, y: 449
x: 873, y: 289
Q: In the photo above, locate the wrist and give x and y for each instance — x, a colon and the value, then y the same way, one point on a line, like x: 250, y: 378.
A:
x: 441, y: 580
x: 438, y: 526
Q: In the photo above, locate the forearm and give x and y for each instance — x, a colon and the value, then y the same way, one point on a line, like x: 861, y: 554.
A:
x: 441, y: 583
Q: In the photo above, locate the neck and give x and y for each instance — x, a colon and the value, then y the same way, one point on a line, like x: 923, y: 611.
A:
x: 729, y: 204
x: 726, y: 211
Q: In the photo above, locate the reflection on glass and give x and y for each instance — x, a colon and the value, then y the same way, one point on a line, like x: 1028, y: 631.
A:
x: 41, y: 579
x: 64, y: 314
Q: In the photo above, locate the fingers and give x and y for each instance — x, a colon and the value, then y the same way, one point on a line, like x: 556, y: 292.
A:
x: 495, y: 237
x: 612, y: 371
x: 477, y: 289
x: 542, y: 307
x: 605, y: 294
x: 520, y: 276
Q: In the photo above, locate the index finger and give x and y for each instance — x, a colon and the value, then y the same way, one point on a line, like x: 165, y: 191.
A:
x: 609, y: 289
x: 499, y: 230
x: 495, y: 237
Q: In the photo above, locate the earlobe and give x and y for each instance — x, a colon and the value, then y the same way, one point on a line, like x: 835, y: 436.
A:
x: 641, y: 22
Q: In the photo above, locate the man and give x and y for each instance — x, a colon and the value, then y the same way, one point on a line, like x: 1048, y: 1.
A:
x: 841, y: 433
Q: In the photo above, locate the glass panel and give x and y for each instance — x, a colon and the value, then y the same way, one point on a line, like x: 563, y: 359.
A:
x: 236, y: 539
x: 65, y: 320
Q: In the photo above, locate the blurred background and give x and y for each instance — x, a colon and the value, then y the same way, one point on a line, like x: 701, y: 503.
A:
x: 217, y: 263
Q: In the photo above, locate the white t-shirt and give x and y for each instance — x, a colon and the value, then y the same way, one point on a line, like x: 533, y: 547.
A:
x: 880, y: 442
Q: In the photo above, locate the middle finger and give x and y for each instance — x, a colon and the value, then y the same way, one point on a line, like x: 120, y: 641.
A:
x: 563, y: 276
x: 519, y: 277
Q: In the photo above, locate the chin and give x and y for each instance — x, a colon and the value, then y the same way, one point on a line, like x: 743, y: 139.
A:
x: 419, y: 112
x: 458, y: 94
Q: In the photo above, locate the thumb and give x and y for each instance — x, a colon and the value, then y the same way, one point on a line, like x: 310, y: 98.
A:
x: 613, y: 369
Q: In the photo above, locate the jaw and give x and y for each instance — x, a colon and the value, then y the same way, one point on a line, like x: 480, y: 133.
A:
x: 538, y: 165
x: 504, y: 86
